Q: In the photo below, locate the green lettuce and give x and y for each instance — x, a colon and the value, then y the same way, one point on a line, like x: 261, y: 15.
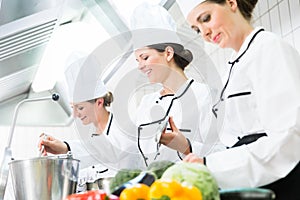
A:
x: 194, y: 174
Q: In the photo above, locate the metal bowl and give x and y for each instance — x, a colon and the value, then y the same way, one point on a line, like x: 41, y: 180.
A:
x: 100, y: 184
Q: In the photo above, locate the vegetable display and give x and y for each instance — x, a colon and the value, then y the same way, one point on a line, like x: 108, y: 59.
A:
x: 146, y: 178
x: 159, y: 167
x: 92, y: 195
x: 194, y: 174
x: 180, y: 181
x: 173, y: 190
x: 123, y: 176
x: 138, y: 191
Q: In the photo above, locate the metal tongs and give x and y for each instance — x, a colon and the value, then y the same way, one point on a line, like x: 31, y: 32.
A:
x: 43, y: 147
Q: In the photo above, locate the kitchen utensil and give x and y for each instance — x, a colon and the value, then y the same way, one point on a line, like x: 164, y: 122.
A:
x: 100, y: 184
x: 43, y: 147
x: 46, y: 178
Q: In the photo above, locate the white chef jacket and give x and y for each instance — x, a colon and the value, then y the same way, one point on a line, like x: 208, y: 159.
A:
x: 112, y: 150
x: 262, y: 96
x: 191, y: 111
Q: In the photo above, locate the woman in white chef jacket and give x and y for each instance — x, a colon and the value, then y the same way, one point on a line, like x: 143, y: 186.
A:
x: 261, y: 99
x: 108, y: 146
x: 163, y: 59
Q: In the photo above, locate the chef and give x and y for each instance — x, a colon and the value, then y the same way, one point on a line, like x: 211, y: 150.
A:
x: 104, y: 148
x: 163, y: 59
x: 261, y: 99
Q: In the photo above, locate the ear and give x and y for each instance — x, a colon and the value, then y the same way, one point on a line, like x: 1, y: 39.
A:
x: 232, y: 4
x: 99, y: 102
x: 169, y: 53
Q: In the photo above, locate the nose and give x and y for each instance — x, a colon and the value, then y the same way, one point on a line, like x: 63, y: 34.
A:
x: 205, y: 33
x: 75, y: 112
x: 141, y: 65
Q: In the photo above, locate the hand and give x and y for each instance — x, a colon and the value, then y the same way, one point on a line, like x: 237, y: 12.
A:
x: 175, y: 139
x: 51, y: 145
x: 192, y: 158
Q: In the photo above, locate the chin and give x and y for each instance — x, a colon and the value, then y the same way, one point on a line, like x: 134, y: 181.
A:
x: 85, y: 123
x: 221, y: 45
x: 152, y: 81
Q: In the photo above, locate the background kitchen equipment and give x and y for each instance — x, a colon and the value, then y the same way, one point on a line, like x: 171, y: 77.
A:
x: 47, y: 178
x: 7, y: 156
x: 100, y: 184
x: 247, y: 194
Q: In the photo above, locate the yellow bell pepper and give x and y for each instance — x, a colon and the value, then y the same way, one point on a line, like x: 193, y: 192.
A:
x: 173, y: 190
x: 136, y: 192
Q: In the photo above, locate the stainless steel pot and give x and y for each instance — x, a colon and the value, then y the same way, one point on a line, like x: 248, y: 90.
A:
x: 100, y: 184
x: 46, y: 178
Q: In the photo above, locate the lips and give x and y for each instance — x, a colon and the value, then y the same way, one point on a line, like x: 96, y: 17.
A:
x: 216, y: 38
x: 148, y: 72
x: 83, y: 118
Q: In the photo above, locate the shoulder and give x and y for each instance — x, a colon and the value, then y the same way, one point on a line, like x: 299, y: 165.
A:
x: 271, y: 41
x: 150, y: 97
x: 202, y: 92
x: 200, y: 88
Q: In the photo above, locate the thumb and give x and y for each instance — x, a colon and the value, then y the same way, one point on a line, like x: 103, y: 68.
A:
x: 47, y: 141
x: 44, y: 142
x: 172, y: 125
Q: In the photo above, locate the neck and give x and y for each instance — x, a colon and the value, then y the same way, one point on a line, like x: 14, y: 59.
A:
x: 243, y: 37
x: 102, y: 120
x: 245, y: 30
x: 174, y: 81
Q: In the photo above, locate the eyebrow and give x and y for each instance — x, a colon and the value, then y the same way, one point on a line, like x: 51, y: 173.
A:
x: 140, y: 56
x: 199, y: 17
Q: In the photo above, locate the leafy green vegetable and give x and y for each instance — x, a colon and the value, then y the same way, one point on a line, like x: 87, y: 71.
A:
x: 194, y: 174
x: 123, y: 176
x: 159, y: 167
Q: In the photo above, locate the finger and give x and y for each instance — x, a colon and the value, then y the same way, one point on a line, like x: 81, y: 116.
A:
x: 188, y: 157
x: 166, y: 138
x: 46, y: 142
x: 172, y: 124
x: 40, y: 144
x: 44, y: 153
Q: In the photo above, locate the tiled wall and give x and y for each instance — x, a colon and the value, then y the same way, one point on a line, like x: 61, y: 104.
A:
x: 279, y: 16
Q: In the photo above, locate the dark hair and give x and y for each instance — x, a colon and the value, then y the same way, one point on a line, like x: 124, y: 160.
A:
x: 108, y: 99
x: 246, y: 7
x: 182, y: 56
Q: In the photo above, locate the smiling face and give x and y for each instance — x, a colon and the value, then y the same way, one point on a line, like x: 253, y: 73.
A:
x: 85, y: 111
x: 218, y: 23
x: 152, y: 63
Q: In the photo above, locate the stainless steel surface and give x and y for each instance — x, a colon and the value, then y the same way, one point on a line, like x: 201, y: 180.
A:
x: 44, y: 178
x: 100, y: 184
